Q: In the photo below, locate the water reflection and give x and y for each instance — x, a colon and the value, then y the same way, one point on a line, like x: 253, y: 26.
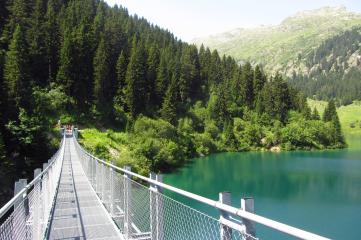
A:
x: 300, y: 188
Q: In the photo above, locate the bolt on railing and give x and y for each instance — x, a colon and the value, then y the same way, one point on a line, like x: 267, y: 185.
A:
x: 26, y: 215
x: 143, y: 212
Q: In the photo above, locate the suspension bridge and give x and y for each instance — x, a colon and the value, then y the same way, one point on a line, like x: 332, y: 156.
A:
x: 79, y: 196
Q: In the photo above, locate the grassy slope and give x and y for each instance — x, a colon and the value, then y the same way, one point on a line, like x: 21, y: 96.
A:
x: 280, y: 46
x: 347, y: 114
x: 100, y: 142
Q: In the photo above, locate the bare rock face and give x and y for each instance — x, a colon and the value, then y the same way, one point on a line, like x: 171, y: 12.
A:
x: 358, y: 61
x: 275, y: 149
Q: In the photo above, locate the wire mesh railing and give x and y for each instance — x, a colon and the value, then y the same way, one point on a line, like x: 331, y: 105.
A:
x: 142, y: 211
x: 26, y: 215
x: 138, y: 208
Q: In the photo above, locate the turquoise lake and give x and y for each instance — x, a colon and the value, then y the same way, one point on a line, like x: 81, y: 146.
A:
x: 318, y: 191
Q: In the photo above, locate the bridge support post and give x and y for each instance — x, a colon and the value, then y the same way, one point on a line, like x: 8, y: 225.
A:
x: 247, y: 204
x: 156, y: 209
x: 91, y: 176
x: 112, y: 203
x: 21, y: 206
x: 97, y: 177
x: 226, y: 232
x: 45, y: 195
x: 127, y: 204
x: 103, y: 192
x: 36, y: 206
x: 75, y: 132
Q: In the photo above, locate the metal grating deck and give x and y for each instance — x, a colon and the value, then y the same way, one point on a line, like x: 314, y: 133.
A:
x: 78, y: 213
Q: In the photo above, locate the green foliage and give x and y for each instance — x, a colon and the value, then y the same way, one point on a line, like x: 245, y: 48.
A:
x: 136, y: 79
x: 102, y: 80
x: 87, y: 63
x: 16, y: 75
x: 26, y: 128
x: 335, y: 73
x: 169, y: 106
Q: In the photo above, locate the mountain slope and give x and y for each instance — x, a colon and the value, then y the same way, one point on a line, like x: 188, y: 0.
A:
x: 296, y: 35
x: 333, y: 70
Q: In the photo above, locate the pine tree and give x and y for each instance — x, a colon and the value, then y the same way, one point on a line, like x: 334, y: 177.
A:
x: 52, y: 37
x: 236, y: 87
x: 37, y: 44
x: 204, y: 62
x: 189, y: 72
x: 329, y: 112
x: 330, y: 115
x: 315, y: 114
x: 275, y: 97
x: 102, y: 85
x: 121, y: 71
x: 99, y: 21
x: 230, y: 141
x: 152, y: 69
x: 83, y: 68
x: 162, y: 80
x: 19, y: 15
x: 219, y: 111
x: 65, y: 76
x: 16, y: 76
x: 169, y: 106
x: 247, y: 92
x: 215, y: 71
x: 259, y: 81
x: 136, y: 79
x: 282, y: 100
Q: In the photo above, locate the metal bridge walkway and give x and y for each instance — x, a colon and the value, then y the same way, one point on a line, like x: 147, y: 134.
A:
x: 61, y: 203
x: 78, y: 212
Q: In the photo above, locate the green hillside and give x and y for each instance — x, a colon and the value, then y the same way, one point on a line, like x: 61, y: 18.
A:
x: 350, y: 115
x: 294, y: 38
x: 318, y: 50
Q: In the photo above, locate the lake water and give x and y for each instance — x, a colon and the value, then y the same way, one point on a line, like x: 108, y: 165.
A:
x: 317, y: 191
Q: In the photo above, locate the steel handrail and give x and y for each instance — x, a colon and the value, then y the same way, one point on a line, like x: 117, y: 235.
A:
x: 23, y: 191
x: 293, y: 231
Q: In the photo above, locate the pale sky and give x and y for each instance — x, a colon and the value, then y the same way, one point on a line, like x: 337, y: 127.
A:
x: 189, y: 19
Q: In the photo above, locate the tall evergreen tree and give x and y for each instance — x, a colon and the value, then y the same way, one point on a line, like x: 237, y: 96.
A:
x: 329, y: 112
x: 303, y: 106
x: 82, y: 68
x: 169, y: 106
x: 218, y: 107
x: 65, y: 76
x: 136, y: 79
x: 276, y: 101
x: 315, y: 114
x: 121, y: 71
x: 162, y: 80
x: 152, y: 69
x: 37, y: 44
x: 102, y: 85
x: 330, y: 115
x: 215, y: 71
x: 247, y: 92
x: 99, y: 20
x: 19, y: 15
x: 16, y: 75
x: 236, y: 86
x: 259, y: 80
x: 189, y: 72
x: 52, y: 37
